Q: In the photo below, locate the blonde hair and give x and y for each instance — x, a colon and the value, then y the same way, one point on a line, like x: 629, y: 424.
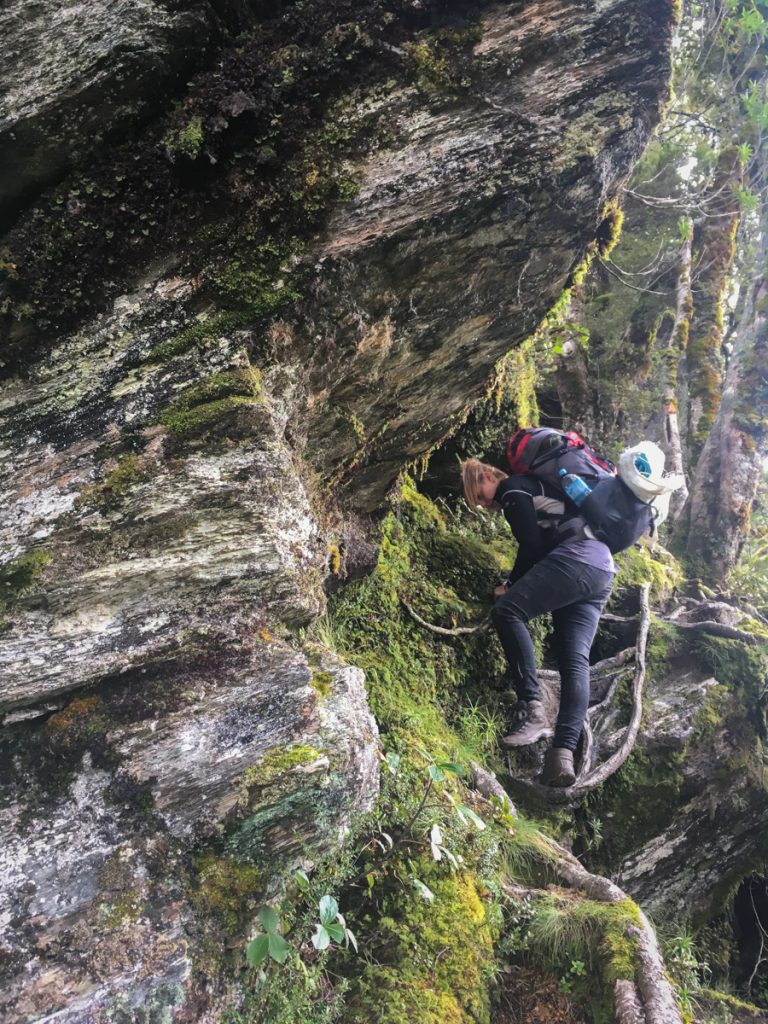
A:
x: 472, y: 472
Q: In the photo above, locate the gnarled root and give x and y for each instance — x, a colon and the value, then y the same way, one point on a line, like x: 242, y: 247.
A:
x: 590, y: 778
x: 651, y: 1000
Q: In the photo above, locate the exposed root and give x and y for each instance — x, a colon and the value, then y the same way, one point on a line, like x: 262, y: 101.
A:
x: 596, y: 776
x: 442, y: 630
x: 652, y: 1000
x: 609, y: 664
x: 718, y: 629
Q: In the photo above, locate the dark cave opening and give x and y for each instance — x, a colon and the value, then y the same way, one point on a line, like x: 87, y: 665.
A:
x: 750, y: 926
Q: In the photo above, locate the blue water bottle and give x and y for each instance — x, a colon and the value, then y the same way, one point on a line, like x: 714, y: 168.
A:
x: 574, y: 487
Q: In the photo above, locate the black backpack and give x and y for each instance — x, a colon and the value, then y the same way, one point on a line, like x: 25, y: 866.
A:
x: 613, y: 513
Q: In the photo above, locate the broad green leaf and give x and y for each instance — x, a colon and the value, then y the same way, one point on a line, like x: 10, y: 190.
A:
x: 269, y: 919
x: 370, y: 879
x: 302, y: 879
x: 392, y: 761
x: 257, y: 950
x: 336, y: 931
x: 278, y: 947
x: 435, y: 773
x: 321, y: 939
x: 450, y: 766
x: 329, y: 908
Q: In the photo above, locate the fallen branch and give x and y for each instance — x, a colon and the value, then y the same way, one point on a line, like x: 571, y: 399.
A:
x: 598, y: 775
x: 652, y: 1001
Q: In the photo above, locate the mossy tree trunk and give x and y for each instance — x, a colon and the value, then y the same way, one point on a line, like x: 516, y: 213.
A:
x: 713, y: 250
x: 673, y: 345
x: 728, y: 470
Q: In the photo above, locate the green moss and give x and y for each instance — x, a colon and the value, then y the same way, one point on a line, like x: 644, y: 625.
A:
x: 227, y: 890
x: 270, y: 769
x: 115, y: 485
x: 334, y: 559
x: 641, y: 564
x: 636, y: 803
x: 322, y: 682
x: 566, y: 927
x: 207, y: 329
x: 202, y: 405
x: 185, y: 141
x: 442, y: 61
x: 253, y: 279
x: 18, y: 576
x: 710, y: 716
x: 609, y: 229
x: 442, y: 948
x: 731, y: 1002
x: 124, y: 910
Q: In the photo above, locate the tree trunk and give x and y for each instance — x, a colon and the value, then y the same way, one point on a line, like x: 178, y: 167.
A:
x: 714, y: 245
x: 728, y: 470
x: 673, y: 354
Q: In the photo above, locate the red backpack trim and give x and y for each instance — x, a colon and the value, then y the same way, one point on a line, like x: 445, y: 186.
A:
x: 570, y: 439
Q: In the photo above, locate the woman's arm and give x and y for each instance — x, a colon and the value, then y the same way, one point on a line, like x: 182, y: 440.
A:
x: 517, y: 505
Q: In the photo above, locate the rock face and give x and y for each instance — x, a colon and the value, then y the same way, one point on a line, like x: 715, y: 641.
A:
x: 171, y: 540
x: 704, y: 743
x: 72, y: 72
x: 454, y: 248
x: 162, y: 529
x: 99, y: 913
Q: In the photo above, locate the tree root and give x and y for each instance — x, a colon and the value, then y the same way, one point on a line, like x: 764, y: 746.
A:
x: 652, y: 1000
x: 442, y: 630
x: 596, y: 776
x: 717, y: 629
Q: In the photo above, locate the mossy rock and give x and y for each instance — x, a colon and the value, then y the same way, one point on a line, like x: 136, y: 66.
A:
x: 18, y: 576
x: 210, y: 404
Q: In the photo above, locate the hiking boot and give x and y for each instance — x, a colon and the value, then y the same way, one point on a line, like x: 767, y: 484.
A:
x: 558, y: 767
x: 533, y: 727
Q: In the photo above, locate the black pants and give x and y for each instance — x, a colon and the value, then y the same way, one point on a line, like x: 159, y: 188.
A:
x: 575, y: 593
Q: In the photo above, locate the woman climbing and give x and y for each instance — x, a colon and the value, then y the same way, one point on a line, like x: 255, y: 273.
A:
x: 559, y: 569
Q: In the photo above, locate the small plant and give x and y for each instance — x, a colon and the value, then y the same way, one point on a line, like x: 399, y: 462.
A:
x: 269, y: 945
x: 331, y: 927
x: 570, y: 980
x: 518, y: 914
x: 480, y: 726
x: 687, y: 970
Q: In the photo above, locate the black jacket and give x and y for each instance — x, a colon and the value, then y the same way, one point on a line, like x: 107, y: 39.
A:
x: 537, y: 512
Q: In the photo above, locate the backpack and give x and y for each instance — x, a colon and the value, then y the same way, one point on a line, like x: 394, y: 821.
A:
x: 612, y: 512
x: 543, y: 452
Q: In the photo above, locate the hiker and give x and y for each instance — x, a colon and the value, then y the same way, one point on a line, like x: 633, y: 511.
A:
x: 560, y: 568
